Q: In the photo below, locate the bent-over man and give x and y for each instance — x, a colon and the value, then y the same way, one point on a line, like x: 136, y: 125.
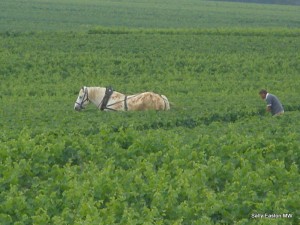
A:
x: 273, y: 104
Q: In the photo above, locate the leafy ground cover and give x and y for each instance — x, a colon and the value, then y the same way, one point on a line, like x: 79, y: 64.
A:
x: 215, y: 158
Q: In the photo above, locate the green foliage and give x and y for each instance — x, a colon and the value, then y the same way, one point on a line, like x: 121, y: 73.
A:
x: 214, y: 158
x: 75, y: 15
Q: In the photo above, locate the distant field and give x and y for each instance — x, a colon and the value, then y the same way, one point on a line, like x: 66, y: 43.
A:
x: 279, y: 2
x: 215, y: 158
x: 82, y: 15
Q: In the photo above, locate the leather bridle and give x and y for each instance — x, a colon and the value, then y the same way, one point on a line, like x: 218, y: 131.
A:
x: 84, y: 99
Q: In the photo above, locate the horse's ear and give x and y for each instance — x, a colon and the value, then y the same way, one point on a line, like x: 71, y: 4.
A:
x: 82, y: 87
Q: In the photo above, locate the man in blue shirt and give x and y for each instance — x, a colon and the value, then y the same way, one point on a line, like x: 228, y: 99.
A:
x: 273, y: 104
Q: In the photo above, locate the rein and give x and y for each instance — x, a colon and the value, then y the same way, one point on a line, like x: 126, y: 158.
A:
x: 125, y: 104
x: 108, y: 93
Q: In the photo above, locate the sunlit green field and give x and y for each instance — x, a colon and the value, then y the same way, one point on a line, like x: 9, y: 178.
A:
x: 215, y: 158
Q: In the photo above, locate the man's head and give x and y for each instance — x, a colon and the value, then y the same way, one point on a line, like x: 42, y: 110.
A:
x: 263, y: 93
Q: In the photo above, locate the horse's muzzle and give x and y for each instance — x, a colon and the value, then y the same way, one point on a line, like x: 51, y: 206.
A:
x: 78, y: 108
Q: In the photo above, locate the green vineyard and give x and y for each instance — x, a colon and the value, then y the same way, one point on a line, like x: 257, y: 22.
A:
x: 215, y: 158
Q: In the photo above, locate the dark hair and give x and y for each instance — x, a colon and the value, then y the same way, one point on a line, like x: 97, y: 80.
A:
x: 263, y: 91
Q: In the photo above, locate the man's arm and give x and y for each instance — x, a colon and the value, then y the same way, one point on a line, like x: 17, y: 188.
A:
x: 269, y: 103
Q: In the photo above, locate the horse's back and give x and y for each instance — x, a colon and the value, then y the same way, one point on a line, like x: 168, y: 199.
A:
x: 148, y: 101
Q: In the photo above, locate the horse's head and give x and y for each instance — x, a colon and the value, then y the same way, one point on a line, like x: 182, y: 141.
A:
x: 82, y: 99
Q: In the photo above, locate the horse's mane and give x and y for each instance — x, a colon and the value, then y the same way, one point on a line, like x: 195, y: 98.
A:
x: 95, y: 92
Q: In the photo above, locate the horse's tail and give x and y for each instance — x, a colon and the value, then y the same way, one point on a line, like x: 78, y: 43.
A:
x: 167, y: 103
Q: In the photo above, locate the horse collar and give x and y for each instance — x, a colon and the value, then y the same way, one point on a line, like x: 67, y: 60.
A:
x: 107, y: 95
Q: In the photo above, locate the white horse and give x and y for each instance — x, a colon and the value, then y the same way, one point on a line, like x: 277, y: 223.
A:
x: 108, y: 100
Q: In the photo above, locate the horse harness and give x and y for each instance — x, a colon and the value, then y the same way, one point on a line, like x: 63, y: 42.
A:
x: 164, y: 101
x: 108, y: 93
